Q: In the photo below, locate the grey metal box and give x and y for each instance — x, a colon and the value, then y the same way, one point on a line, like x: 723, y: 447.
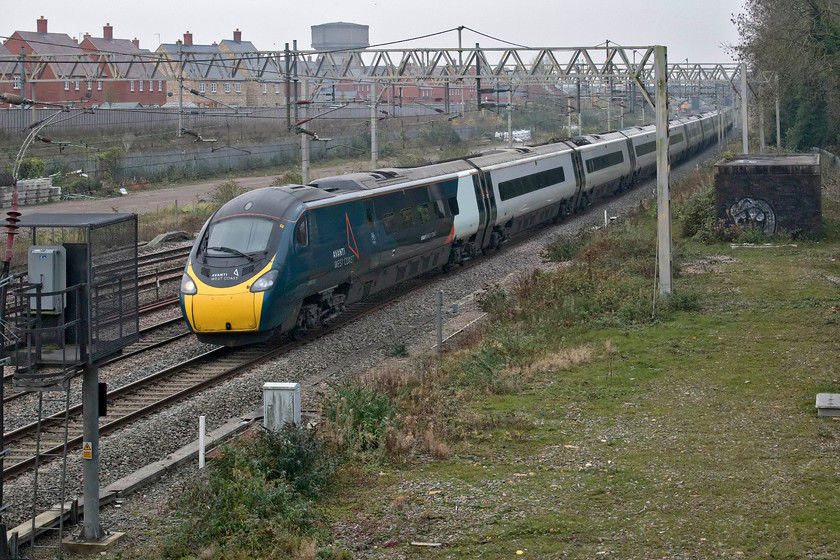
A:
x: 281, y: 405
x: 47, y: 266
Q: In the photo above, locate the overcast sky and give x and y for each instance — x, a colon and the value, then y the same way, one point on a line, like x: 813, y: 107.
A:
x: 693, y: 29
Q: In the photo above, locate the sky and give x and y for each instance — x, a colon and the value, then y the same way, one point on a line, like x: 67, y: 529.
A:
x: 697, y: 30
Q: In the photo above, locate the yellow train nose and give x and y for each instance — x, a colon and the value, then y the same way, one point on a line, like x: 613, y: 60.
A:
x: 226, y: 311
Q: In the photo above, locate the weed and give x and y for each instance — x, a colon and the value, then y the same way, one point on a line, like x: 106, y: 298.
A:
x: 399, y: 350
x: 356, y: 417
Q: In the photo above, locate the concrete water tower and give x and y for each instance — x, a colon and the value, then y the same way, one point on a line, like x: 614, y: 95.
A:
x: 340, y: 36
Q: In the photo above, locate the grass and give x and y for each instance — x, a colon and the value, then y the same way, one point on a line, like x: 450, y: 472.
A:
x: 692, y: 436
x: 577, y: 425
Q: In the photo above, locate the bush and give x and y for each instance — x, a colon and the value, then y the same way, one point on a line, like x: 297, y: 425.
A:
x: 110, y: 162
x: 255, y: 500
x: 227, y: 191
x: 31, y: 168
x: 288, y: 178
x: 297, y: 456
x: 697, y: 217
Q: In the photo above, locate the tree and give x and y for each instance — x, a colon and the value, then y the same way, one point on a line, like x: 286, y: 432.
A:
x: 799, y: 40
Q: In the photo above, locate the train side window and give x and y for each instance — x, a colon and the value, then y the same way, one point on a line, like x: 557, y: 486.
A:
x: 407, y: 215
x: 302, y: 233
x: 424, y: 213
x: 388, y: 222
x: 439, y: 208
x: 453, y: 205
x: 370, y: 215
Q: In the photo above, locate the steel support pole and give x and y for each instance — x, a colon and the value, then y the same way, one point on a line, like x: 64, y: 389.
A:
x: 760, y: 121
x: 180, y: 90
x: 778, y: 120
x: 374, y: 145
x: 304, y: 138
x: 745, y: 138
x: 91, y: 529
x: 663, y: 169
x: 439, y: 320
x: 509, y: 121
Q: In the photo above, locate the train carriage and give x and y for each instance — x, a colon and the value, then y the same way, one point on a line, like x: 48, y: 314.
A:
x: 290, y: 258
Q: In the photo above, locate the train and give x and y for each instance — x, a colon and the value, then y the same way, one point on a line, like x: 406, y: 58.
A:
x: 289, y: 259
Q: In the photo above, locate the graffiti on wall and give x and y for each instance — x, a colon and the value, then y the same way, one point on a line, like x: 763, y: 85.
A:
x: 755, y: 213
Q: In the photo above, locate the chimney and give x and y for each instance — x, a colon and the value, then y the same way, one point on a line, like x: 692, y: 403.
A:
x: 136, y: 42
x: 42, y: 25
x: 87, y: 35
x: 237, y: 35
x: 187, y: 39
x: 108, y: 31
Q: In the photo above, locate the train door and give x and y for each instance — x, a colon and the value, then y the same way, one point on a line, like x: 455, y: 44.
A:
x: 486, y: 208
x: 580, y: 180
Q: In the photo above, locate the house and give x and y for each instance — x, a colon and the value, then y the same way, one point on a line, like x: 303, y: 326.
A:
x: 135, y: 78
x: 59, y: 53
x: 265, y: 86
x: 8, y: 65
x: 213, y: 76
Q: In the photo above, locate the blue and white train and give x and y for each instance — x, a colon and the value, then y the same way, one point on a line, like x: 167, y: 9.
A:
x: 290, y: 258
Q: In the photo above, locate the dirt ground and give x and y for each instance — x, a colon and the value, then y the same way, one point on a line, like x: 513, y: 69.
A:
x: 154, y: 199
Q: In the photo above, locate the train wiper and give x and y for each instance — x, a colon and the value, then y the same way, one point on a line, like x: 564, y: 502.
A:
x: 232, y: 251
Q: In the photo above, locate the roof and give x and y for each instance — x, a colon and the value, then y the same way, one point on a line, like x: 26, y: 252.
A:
x: 72, y: 220
x: 46, y: 44
x: 197, y: 67
x: 121, y: 105
x: 138, y: 63
x: 7, y: 61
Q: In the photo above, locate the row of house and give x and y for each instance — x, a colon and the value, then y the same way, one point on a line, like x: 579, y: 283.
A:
x: 199, y: 85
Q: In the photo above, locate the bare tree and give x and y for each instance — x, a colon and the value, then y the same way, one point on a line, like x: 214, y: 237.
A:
x: 799, y: 40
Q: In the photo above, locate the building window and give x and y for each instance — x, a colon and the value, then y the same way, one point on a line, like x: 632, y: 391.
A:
x: 99, y: 86
x: 213, y: 87
x: 78, y: 85
x: 90, y: 86
x: 276, y: 88
x: 238, y: 87
x: 160, y: 85
x: 66, y: 86
x: 18, y: 81
x: 202, y: 88
x: 265, y: 88
x: 141, y: 85
x: 227, y: 88
x: 151, y: 85
x: 131, y: 86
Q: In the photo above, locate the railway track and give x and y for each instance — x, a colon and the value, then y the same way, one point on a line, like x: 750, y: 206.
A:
x: 141, y: 398
x: 150, y: 337
x: 41, y: 441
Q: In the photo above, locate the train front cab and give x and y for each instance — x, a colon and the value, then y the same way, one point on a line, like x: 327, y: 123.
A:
x: 236, y: 271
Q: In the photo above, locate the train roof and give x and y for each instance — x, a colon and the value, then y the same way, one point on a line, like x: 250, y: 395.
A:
x: 385, y: 177
x: 271, y: 201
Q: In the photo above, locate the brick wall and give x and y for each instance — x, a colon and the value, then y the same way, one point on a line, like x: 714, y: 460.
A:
x: 778, y: 194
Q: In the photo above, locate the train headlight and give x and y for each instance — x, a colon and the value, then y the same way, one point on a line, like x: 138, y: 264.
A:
x: 265, y: 282
x: 188, y: 286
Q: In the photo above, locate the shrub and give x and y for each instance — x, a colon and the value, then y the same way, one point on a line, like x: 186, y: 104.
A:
x: 227, y: 191
x: 288, y: 178
x: 31, y: 168
x: 255, y: 500
x: 297, y: 456
x: 697, y: 216
x: 110, y: 162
